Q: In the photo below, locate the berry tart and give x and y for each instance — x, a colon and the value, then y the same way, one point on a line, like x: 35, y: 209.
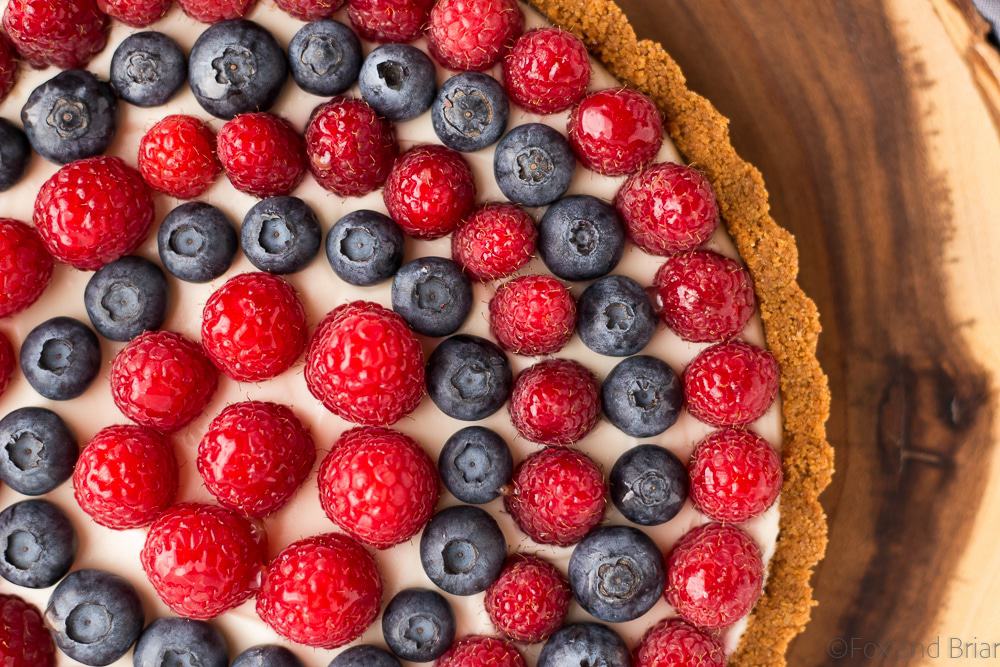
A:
x: 385, y: 332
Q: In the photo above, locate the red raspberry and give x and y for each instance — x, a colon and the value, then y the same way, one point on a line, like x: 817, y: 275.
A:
x: 254, y: 327
x: 25, y: 266
x: 322, y: 591
x: 25, y: 640
x: 557, y: 496
x: 714, y: 575
x: 350, y: 148
x: 203, y: 559
x: 212, y: 11
x: 675, y: 643
x: 731, y: 384
x: 310, y: 10
x: 93, y: 211
x: 162, y: 380
x: 704, y: 297
x: 548, y: 70
x: 125, y: 477
x: 555, y: 402
x: 64, y: 33
x: 473, y: 34
x: 668, y: 208
x: 615, y: 132
x: 365, y: 365
x: 8, y: 362
x: 254, y: 456
x: 8, y: 66
x: 389, y: 20
x: 378, y: 485
x: 430, y: 189
x: 478, y: 651
x: 735, y: 475
x: 529, y: 600
x: 136, y: 13
x: 533, y: 315
x: 263, y: 154
x: 495, y: 241
x: 177, y: 157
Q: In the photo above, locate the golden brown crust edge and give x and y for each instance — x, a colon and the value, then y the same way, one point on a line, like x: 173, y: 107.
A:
x: 791, y: 321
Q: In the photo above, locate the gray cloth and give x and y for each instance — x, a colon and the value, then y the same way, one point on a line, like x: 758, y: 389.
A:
x: 991, y: 10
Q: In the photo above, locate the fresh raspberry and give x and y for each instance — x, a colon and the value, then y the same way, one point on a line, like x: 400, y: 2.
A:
x: 674, y: 643
x: 478, y: 651
x: 350, y: 148
x: 162, y: 380
x: 430, y: 189
x: 254, y: 456
x: 365, y: 365
x: 263, y: 154
x: 177, y: 157
x: 254, y: 327
x: 310, y: 10
x: 494, y: 242
x: 704, y: 297
x: 731, y: 384
x: 203, y: 559
x: 212, y: 11
x: 8, y: 362
x: 378, y: 485
x: 529, y: 600
x: 735, y: 475
x: 136, y: 13
x: 125, y: 477
x: 25, y: 640
x: 8, y: 66
x: 25, y: 266
x: 473, y: 34
x: 616, y: 131
x: 714, y: 575
x: 389, y: 20
x: 94, y: 211
x: 557, y: 496
x: 322, y: 591
x: 555, y: 402
x: 668, y: 208
x: 533, y: 315
x: 547, y: 70
x: 64, y: 33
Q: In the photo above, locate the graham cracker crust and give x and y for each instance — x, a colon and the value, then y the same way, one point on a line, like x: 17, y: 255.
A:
x: 791, y: 321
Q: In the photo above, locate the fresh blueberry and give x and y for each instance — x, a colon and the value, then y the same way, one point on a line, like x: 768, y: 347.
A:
x: 418, y: 625
x: 15, y: 151
x: 642, y: 396
x: 38, y: 542
x: 180, y: 641
x: 475, y: 464
x: 325, y: 58
x: 267, y: 656
x: 280, y: 235
x: 95, y: 616
x: 197, y: 242
x: 648, y: 485
x: 533, y: 165
x: 60, y: 358
x: 585, y: 645
x: 398, y: 81
x: 615, y: 316
x: 580, y: 238
x: 236, y: 66
x: 462, y: 550
x: 147, y: 69
x: 468, y: 377
x: 126, y: 297
x: 433, y: 295
x: 365, y: 655
x: 470, y: 112
x: 70, y: 117
x: 37, y: 451
x: 365, y: 247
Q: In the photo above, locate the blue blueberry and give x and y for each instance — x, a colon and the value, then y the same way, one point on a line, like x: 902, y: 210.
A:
x: 398, y: 81
x: 475, y: 464
x: 37, y: 451
x: 468, y: 377
x: 585, y: 645
x: 180, y: 641
x: 38, y: 543
x: 433, y: 295
x: 95, y: 616
x: 462, y: 550
x: 148, y: 68
x: 470, y: 112
x: 325, y: 58
x: 196, y: 242
x: 418, y: 625
x: 267, y: 656
x: 70, y: 117
x: 236, y: 67
x: 615, y: 317
x: 642, y: 396
x: 126, y: 297
x: 533, y: 165
x: 15, y: 151
x: 365, y: 247
x: 280, y: 235
x: 365, y: 655
x: 60, y: 358
x: 580, y: 238
x: 648, y: 485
